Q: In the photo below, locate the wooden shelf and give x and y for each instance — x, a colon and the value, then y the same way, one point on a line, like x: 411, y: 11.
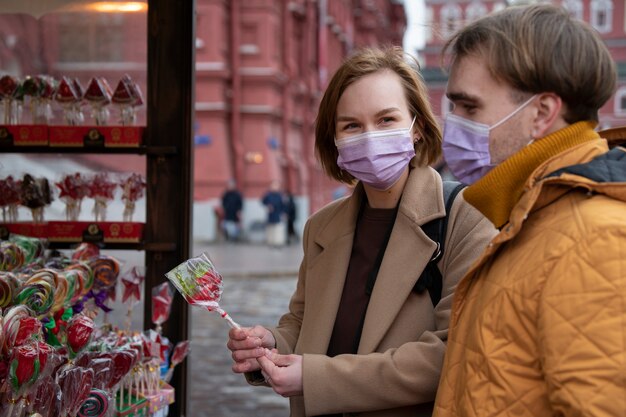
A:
x: 141, y: 150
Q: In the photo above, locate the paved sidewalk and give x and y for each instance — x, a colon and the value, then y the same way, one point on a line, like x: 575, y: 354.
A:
x: 246, y: 260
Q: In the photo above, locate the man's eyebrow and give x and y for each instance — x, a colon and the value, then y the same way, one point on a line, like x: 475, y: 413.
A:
x: 452, y: 96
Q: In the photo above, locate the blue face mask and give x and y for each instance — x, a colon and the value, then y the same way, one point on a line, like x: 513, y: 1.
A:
x: 466, y: 146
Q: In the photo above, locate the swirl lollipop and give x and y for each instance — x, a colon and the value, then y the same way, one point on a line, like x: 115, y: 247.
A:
x: 19, y: 326
x: 37, y: 293
x: 11, y: 256
x: 96, y: 405
x: 200, y: 284
x: 8, y: 288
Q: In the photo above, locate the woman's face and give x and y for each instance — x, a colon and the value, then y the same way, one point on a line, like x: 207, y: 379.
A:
x: 373, y: 102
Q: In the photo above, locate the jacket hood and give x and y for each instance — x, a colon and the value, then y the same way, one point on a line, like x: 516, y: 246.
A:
x: 609, y: 167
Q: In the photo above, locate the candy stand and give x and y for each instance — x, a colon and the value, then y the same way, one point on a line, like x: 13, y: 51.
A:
x: 57, y: 276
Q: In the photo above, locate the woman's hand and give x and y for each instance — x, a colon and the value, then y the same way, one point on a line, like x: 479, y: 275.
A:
x: 246, y: 345
x: 282, y: 372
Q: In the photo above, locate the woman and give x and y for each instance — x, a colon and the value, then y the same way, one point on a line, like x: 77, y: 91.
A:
x: 344, y: 349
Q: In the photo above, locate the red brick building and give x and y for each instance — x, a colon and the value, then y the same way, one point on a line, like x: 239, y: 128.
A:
x: 261, y: 67
x: 443, y: 17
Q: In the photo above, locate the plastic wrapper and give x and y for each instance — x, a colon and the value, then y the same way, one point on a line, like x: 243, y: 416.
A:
x: 44, y: 396
x: 79, y: 330
x: 131, y: 295
x: 9, y: 286
x: 75, y: 383
x: 133, y: 187
x: 98, y: 95
x: 105, y: 271
x: 162, y: 296
x: 85, y: 251
x: 33, y: 248
x: 12, y: 256
x: 8, y: 90
x: 37, y: 293
x: 102, y: 190
x: 18, y: 327
x: 73, y: 189
x: 69, y: 95
x: 40, y: 90
x: 127, y: 97
x: 23, y: 372
x: 98, y: 404
x: 180, y: 353
x: 35, y: 194
x: 10, y: 198
x: 200, y: 284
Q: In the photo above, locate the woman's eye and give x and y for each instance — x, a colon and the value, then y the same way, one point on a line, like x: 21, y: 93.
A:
x: 387, y: 119
x: 350, y: 126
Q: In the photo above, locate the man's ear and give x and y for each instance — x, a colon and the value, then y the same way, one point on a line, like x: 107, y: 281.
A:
x: 548, y: 117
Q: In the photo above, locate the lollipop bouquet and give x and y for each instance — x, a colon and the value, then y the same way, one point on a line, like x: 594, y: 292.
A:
x: 200, y: 284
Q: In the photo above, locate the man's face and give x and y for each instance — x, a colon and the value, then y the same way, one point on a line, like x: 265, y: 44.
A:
x: 479, y: 97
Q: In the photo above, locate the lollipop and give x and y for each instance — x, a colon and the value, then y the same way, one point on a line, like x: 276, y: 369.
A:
x: 37, y: 293
x: 24, y: 370
x: 11, y: 256
x: 35, y: 194
x: 18, y: 326
x: 96, y: 404
x: 105, y: 271
x: 102, y: 190
x: 200, y: 284
x: 8, y: 288
x: 98, y: 95
x: 75, y: 383
x: 132, y: 190
x: 73, y: 189
x: 8, y: 88
x: 180, y: 353
x: 132, y: 281
x: 33, y: 247
x: 79, y: 331
x: 161, y: 304
x: 67, y: 96
x: 9, y: 198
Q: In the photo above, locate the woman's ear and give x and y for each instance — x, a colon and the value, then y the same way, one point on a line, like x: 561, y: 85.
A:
x: 548, y: 117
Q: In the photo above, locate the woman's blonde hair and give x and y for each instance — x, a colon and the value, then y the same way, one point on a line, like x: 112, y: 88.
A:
x: 364, y: 62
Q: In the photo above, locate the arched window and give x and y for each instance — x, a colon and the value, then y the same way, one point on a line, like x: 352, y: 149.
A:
x: 451, y: 19
x: 602, y: 15
x: 475, y: 10
x: 619, y: 103
x: 575, y: 7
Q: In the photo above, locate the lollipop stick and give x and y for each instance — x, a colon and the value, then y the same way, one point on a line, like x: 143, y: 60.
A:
x: 225, y: 316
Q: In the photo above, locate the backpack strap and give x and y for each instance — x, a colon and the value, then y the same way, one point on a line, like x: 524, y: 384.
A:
x: 436, y: 229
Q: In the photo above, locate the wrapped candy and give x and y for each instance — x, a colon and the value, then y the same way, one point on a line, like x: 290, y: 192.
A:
x: 127, y: 97
x: 96, y: 405
x: 132, y: 190
x: 67, y: 96
x: 41, y: 90
x: 35, y: 194
x: 98, y: 95
x: 18, y: 327
x: 75, y: 383
x: 9, y: 198
x: 80, y: 328
x: 8, y: 88
x: 73, y: 189
x: 9, y: 286
x: 37, y: 293
x: 46, y: 394
x: 131, y: 281
x: 12, y: 256
x: 102, y: 190
x: 23, y: 371
x: 33, y: 248
x: 200, y: 284
x: 85, y: 251
x: 180, y: 353
x: 161, y: 304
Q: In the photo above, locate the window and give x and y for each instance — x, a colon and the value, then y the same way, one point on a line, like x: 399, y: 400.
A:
x: 619, y: 105
x: 91, y: 38
x: 575, y: 7
x: 451, y: 19
x: 475, y: 10
x: 602, y: 15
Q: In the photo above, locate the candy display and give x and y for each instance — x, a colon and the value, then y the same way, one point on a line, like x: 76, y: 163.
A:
x: 40, y: 89
x: 56, y: 361
x: 127, y: 97
x: 98, y: 95
x: 200, y: 284
x: 8, y: 90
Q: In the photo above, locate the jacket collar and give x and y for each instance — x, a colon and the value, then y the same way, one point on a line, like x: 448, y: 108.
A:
x: 407, y: 253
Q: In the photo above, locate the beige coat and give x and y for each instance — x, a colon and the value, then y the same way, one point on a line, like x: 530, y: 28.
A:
x: 397, y: 368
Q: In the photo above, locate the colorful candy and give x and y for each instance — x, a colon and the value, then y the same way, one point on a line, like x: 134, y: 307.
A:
x: 161, y: 304
x: 200, y: 284
x: 80, y: 328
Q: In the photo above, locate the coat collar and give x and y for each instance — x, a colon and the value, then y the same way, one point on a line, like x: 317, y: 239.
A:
x: 408, y: 252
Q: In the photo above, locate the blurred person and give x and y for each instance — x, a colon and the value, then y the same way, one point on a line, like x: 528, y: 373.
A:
x: 291, y: 214
x: 538, y: 323
x: 232, y: 204
x: 364, y: 332
x: 273, y: 202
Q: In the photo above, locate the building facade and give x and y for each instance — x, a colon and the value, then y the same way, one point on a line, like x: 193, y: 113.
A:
x: 443, y: 17
x: 261, y: 68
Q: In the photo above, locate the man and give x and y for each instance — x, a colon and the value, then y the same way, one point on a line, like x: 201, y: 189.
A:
x: 273, y: 201
x: 232, y: 204
x: 538, y: 325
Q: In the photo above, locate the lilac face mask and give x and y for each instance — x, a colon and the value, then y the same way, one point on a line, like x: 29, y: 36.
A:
x: 466, y: 146
x: 377, y: 158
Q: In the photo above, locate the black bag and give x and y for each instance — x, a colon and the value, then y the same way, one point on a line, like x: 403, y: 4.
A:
x: 431, y: 278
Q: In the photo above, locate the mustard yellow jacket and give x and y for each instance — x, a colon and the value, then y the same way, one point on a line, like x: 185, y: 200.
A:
x: 538, y: 325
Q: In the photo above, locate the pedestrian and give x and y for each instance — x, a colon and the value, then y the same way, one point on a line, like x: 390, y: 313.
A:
x: 538, y: 324
x: 232, y: 204
x: 273, y: 202
x: 364, y: 332
x: 290, y: 213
